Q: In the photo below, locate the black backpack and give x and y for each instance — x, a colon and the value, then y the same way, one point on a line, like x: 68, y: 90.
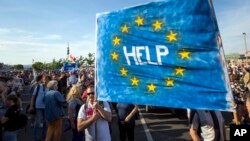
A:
x: 19, y: 122
x: 22, y: 121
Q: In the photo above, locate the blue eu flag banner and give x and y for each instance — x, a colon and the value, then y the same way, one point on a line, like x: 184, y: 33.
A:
x: 166, y: 53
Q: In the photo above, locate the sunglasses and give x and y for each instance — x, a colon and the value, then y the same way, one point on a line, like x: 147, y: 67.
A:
x: 91, y: 93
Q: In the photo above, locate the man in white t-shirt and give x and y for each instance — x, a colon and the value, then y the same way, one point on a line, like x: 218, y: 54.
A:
x: 94, y: 118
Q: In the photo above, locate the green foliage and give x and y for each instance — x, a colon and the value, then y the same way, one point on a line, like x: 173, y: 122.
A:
x: 80, y: 60
x: 1, y: 65
x: 57, y: 64
x: 38, y: 66
x: 90, y: 59
x: 18, y: 67
x: 233, y: 56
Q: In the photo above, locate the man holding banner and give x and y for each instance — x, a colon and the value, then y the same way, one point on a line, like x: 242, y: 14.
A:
x: 93, y: 118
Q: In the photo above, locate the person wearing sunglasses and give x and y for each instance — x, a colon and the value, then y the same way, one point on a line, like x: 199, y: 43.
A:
x: 93, y: 117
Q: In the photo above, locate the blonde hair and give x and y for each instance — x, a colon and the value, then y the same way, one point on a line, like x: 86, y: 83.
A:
x: 51, y: 84
x: 74, y: 92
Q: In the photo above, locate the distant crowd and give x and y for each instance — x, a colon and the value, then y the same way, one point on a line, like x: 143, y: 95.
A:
x: 56, y: 97
x: 239, y: 75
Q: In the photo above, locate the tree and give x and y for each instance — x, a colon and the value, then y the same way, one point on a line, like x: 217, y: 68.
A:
x: 80, y: 60
x: 90, y: 59
x: 18, y: 67
x: 1, y: 65
x: 59, y: 63
x: 38, y: 66
x: 56, y: 64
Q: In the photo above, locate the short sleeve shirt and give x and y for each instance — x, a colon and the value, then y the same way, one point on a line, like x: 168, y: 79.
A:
x: 102, y: 125
x: 40, y: 96
x: 202, y: 119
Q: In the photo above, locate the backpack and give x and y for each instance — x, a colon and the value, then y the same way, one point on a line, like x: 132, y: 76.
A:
x: 22, y: 121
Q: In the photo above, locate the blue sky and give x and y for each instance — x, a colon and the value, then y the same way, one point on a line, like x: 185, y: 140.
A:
x: 40, y: 29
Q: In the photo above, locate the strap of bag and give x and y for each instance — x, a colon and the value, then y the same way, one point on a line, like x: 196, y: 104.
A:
x: 37, y: 90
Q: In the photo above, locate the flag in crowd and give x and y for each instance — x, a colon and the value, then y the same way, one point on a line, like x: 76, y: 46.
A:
x: 71, y: 59
x: 167, y: 53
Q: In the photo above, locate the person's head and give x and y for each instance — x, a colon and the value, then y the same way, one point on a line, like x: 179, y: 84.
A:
x: 74, y: 92
x: 91, y: 93
x: 46, y: 79
x: 52, y: 85
x: 12, y: 100
x: 53, y: 76
x: 39, y: 78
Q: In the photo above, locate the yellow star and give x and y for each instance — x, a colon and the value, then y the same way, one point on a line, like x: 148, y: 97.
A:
x: 170, y: 82
x: 135, y: 81
x: 114, y: 56
x: 184, y: 54
x: 179, y: 71
x: 157, y: 25
x: 139, y: 21
x: 172, y: 36
x: 151, y: 87
x: 124, y: 29
x: 124, y: 72
x: 116, y: 41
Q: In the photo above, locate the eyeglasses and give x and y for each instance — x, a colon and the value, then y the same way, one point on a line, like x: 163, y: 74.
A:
x: 91, y: 93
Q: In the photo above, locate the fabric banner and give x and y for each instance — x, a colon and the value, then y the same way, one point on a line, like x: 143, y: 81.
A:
x: 166, y: 53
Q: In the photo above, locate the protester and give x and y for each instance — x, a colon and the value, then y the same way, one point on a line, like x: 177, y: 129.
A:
x: 10, y: 118
x: 246, y: 80
x: 3, y: 92
x: 37, y: 105
x: 93, y: 117
x: 74, y: 102
x: 72, y: 79
x: 62, y: 84
x: 82, y: 80
x: 206, y: 125
x: 126, y: 120
x: 54, y: 112
x: 17, y: 86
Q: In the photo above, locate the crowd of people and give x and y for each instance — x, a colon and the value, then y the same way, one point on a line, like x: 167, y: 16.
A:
x: 72, y: 95
x: 239, y: 76
x: 55, y: 96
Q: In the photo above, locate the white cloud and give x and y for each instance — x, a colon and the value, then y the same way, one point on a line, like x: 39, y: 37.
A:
x: 17, y: 51
x: 23, y: 35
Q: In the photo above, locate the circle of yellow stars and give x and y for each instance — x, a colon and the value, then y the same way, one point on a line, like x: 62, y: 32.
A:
x: 171, y: 37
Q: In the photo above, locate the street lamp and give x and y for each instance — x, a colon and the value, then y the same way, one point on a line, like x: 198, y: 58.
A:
x: 244, y: 35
